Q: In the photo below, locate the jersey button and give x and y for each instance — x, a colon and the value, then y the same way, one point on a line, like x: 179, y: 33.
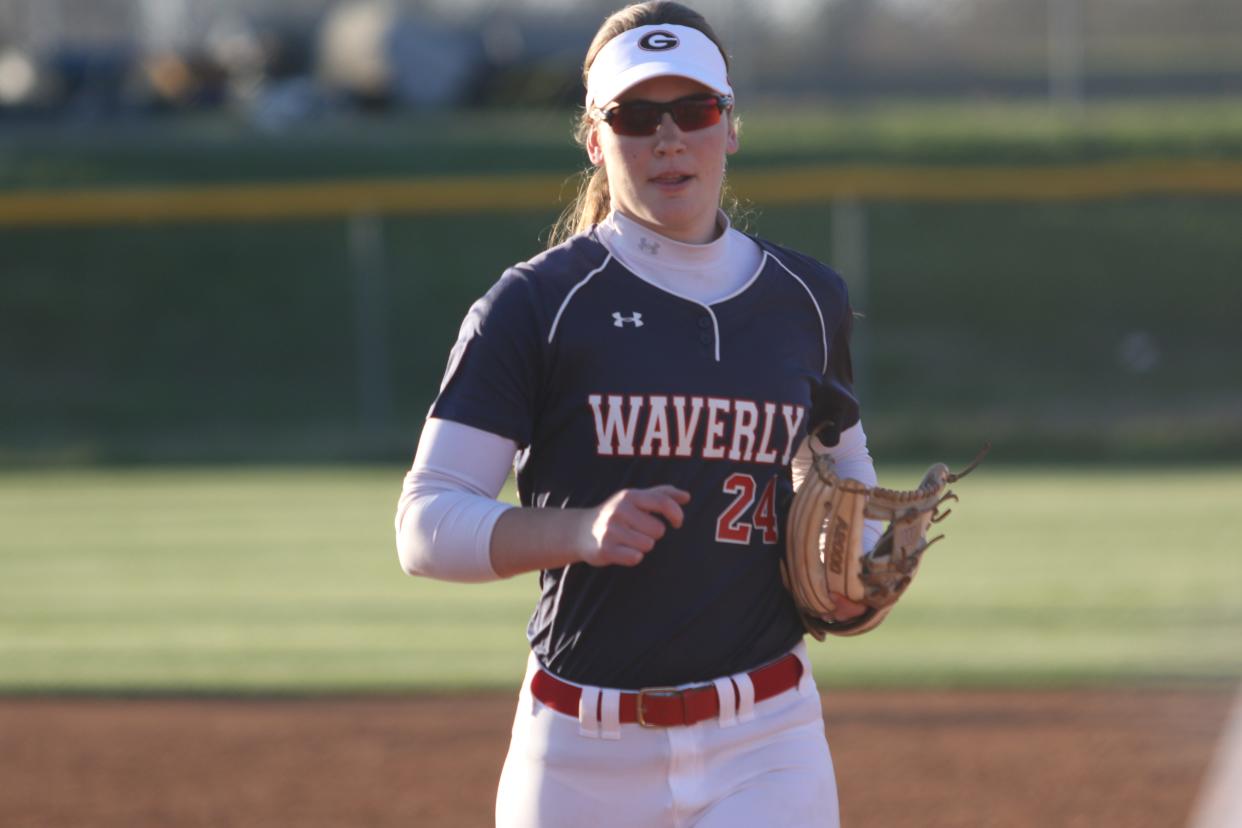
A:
x: 705, y: 322
x: 705, y: 338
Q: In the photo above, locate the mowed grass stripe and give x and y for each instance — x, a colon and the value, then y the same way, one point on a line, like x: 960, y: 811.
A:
x: 285, y: 580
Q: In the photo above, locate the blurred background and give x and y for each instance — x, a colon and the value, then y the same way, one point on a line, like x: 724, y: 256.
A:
x: 236, y: 230
x: 237, y: 239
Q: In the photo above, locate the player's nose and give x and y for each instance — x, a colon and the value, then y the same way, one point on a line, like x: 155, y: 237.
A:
x: 669, y: 136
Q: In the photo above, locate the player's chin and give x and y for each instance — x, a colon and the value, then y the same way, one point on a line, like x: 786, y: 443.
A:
x: 672, y: 205
x: 679, y: 210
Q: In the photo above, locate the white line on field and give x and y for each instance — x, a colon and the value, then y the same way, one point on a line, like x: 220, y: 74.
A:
x: 1220, y: 798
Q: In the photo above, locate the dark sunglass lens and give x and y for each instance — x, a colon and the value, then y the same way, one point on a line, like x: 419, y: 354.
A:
x: 635, y: 119
x: 696, y: 114
x: 643, y: 117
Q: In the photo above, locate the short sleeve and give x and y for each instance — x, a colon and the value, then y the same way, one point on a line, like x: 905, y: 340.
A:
x: 495, y: 368
x: 834, y: 406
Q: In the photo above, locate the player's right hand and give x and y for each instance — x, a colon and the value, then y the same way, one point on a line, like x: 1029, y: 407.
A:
x: 625, y: 527
x: 846, y: 609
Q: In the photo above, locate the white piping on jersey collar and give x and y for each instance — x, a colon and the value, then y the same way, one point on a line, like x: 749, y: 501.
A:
x: 700, y: 273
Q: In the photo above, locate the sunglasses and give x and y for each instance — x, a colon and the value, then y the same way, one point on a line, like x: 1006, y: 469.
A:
x: 643, y: 117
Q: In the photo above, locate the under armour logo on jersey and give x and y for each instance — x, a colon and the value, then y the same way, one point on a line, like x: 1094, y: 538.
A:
x: 648, y: 246
x: 619, y: 321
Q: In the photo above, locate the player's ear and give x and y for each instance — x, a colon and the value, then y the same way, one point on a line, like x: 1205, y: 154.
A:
x: 595, y: 151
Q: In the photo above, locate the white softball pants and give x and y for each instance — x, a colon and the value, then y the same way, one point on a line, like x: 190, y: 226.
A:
x: 766, y: 764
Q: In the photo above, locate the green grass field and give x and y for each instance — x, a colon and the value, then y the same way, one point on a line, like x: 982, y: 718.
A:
x: 285, y: 580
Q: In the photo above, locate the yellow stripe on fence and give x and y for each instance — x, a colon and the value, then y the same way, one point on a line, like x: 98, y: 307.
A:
x: 463, y: 194
x: 976, y: 183
x: 250, y: 202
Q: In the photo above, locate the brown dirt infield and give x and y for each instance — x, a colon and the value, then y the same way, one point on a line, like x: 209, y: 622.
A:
x: 1009, y: 759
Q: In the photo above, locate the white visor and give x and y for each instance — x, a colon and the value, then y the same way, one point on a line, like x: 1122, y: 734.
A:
x: 648, y: 52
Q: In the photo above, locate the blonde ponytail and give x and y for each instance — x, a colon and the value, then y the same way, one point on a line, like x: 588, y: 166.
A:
x: 590, y: 206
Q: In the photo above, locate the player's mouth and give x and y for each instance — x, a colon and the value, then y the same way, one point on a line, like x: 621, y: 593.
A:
x: 672, y: 180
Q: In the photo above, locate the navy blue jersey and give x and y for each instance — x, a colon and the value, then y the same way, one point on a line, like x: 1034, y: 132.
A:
x: 605, y: 381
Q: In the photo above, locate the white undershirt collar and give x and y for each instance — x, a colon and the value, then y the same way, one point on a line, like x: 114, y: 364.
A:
x: 646, y: 247
x: 703, y: 273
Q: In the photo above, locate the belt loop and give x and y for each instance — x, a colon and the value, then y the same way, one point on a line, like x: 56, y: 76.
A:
x: 746, y: 697
x: 610, y: 713
x: 728, y: 701
x: 588, y: 715
x: 806, y: 682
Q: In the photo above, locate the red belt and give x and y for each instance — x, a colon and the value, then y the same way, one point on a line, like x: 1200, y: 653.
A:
x: 668, y: 706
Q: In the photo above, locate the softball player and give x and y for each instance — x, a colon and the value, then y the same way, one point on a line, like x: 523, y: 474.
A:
x: 650, y: 378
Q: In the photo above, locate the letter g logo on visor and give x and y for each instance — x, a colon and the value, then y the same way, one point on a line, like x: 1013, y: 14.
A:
x: 654, y: 51
x: 658, y: 41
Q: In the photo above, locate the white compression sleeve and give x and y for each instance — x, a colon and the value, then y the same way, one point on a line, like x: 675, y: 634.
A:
x: 851, y: 459
x: 448, y: 505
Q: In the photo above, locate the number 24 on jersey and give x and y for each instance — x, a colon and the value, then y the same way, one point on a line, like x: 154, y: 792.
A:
x: 730, y: 526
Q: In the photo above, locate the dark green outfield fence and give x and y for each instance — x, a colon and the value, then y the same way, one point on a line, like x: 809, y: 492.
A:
x: 1109, y: 328
x: 1061, y: 325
